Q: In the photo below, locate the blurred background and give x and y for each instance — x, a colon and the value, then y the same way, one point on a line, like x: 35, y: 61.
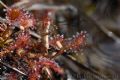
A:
x: 100, y: 59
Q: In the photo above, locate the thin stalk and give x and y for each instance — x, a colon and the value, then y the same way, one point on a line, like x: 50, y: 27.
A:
x: 13, y: 68
x: 4, y: 5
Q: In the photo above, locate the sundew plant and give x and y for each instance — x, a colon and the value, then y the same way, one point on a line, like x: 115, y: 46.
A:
x: 30, y: 43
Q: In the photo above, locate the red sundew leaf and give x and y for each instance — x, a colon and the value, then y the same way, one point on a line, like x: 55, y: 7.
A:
x: 32, y: 77
x: 53, y: 40
x: 72, y: 44
x: 50, y: 64
x: 14, y: 14
x: 76, y: 42
x: 25, y: 23
x: 21, y: 41
x: 35, y: 71
x: 19, y: 17
x: 37, y: 66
